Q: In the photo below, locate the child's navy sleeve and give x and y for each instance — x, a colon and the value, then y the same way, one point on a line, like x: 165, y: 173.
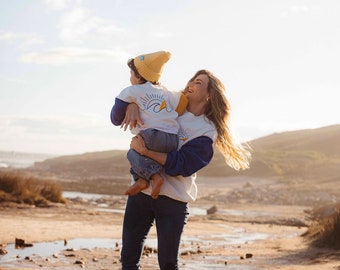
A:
x: 193, y: 156
x: 118, y: 111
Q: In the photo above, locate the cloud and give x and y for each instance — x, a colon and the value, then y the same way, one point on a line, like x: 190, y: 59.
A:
x: 8, y: 36
x: 71, y: 55
x: 54, y: 125
x: 161, y: 34
x: 63, y: 134
x: 61, y: 4
x: 78, y: 25
x: 296, y: 10
x: 13, y: 80
x: 25, y: 40
x: 29, y: 40
x: 299, y: 9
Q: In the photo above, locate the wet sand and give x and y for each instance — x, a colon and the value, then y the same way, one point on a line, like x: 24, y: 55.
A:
x: 237, y: 236
x: 223, y: 240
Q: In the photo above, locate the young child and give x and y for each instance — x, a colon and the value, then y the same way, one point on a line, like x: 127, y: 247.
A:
x: 159, y: 109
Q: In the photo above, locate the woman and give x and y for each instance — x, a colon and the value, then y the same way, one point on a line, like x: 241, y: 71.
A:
x: 205, y: 123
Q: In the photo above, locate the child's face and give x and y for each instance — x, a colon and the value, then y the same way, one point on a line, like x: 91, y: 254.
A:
x: 133, y: 78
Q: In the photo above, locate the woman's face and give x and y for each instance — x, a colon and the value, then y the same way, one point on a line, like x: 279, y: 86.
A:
x: 197, y: 90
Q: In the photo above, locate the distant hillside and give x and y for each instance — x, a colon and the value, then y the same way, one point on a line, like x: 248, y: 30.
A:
x: 104, y: 172
x: 308, y: 153
x: 304, y: 154
x: 324, y: 140
x: 106, y: 164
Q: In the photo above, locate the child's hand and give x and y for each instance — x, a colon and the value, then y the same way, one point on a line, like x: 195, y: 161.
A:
x: 132, y: 117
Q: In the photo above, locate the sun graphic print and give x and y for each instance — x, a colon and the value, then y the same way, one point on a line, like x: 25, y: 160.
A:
x: 154, y: 102
x: 183, y: 134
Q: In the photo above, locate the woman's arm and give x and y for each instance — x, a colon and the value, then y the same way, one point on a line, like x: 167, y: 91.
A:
x: 138, y: 144
x: 193, y: 156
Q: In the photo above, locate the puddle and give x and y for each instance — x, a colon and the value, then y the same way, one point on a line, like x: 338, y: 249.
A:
x: 88, y: 196
x: 247, y: 213
x: 110, y: 210
x: 232, y: 212
x: 215, y: 262
x: 99, y: 201
x: 232, y: 236
x: 194, y: 211
x: 46, y: 249
x: 235, y: 237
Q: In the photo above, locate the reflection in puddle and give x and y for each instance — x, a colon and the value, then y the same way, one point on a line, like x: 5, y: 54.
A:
x: 110, y: 210
x: 46, y: 249
x: 195, y: 211
x: 97, y: 200
x: 227, y: 238
x: 215, y: 262
x: 88, y: 196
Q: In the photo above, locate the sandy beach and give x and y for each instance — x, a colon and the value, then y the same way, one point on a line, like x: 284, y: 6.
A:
x: 86, y: 233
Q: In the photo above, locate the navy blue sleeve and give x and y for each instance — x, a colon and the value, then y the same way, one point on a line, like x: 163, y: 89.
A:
x: 118, y: 111
x: 193, y: 156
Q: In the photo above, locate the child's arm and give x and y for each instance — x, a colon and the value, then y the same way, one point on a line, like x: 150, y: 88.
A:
x: 125, y: 114
x: 132, y: 117
x: 118, y: 111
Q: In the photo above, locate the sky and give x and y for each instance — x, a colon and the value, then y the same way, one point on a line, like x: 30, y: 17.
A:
x: 63, y: 62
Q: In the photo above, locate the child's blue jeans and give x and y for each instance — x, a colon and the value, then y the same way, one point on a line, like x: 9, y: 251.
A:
x: 156, y: 140
x: 170, y: 217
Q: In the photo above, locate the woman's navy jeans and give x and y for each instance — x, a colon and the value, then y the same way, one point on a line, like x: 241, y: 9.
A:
x: 170, y: 217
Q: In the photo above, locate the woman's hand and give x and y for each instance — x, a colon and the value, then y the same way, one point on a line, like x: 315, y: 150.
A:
x: 138, y: 144
x: 132, y: 117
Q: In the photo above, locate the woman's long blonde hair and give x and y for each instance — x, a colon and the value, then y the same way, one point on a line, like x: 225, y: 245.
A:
x: 217, y: 111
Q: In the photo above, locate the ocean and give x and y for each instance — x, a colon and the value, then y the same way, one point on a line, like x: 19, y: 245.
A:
x: 20, y: 159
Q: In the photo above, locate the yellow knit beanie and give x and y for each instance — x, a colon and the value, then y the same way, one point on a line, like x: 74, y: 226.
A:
x: 150, y: 66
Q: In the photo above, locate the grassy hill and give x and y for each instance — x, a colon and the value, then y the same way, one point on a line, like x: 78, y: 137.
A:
x: 310, y: 154
x: 104, y: 172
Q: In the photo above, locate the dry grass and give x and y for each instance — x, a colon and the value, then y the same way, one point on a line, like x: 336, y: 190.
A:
x: 325, y: 228
x: 19, y: 188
